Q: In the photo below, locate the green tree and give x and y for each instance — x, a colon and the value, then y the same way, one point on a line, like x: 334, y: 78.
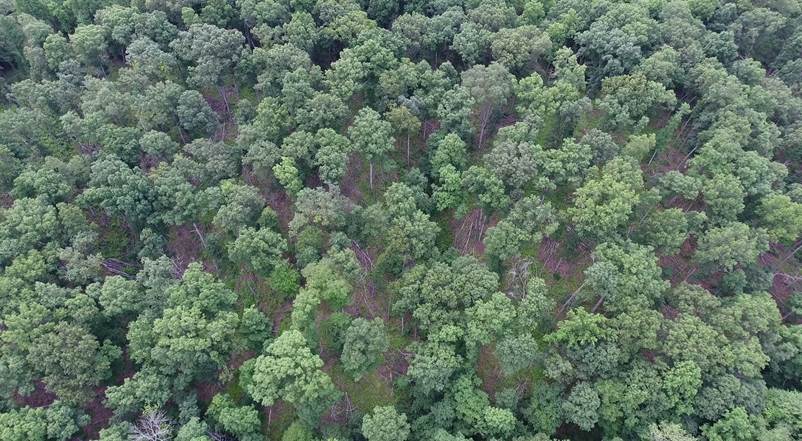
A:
x: 780, y: 216
x: 384, y: 423
x: 581, y: 406
x: 731, y: 245
x: 365, y: 341
x: 519, y: 47
x: 404, y: 122
x: 490, y: 87
x: 242, y: 421
x: 371, y: 136
x: 288, y: 175
x: 734, y: 426
x: 194, y: 114
x: 331, y: 157
x: 259, y: 249
x: 605, y: 202
x: 289, y: 371
x: 628, y: 99
x: 89, y: 42
x: 195, y: 332
x: 211, y: 50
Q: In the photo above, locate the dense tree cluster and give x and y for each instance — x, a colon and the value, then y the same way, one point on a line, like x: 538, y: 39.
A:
x: 383, y: 220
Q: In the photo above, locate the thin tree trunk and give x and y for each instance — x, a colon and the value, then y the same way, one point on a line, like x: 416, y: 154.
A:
x: 407, y: 148
x: 102, y: 69
x: 570, y: 299
x: 371, y: 175
x: 484, y: 120
x: 222, y: 93
x: 598, y: 303
x: 200, y: 236
x: 793, y: 252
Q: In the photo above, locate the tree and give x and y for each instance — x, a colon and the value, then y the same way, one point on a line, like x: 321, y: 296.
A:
x: 404, y: 122
x: 451, y: 150
x: 193, y: 430
x: 780, y: 215
x: 67, y: 357
x: 331, y: 157
x: 371, y: 136
x: 176, y: 200
x: 490, y: 87
x: 615, y: 40
x: 195, y: 332
x: 454, y: 110
x: 288, y: 175
x: 668, y: 432
x: 240, y: 205
x: 448, y: 193
x: 516, y: 353
x: 568, y: 164
x: 242, y: 421
x: 528, y: 221
x: 581, y: 406
x: 519, y: 47
x: 734, y: 426
x: 515, y: 162
x: 628, y: 99
x: 407, y: 230
x: 145, y: 55
x: 365, y: 341
x: 488, y: 319
x: 258, y: 249
x: 731, y: 245
x: 212, y: 50
x: 56, y: 422
x: 435, y: 362
x: 472, y: 43
x: 384, y: 423
x: 119, y: 190
x: 665, y: 230
x: 625, y: 276
x: 605, y: 202
x: 194, y: 114
x: 289, y: 371
x: 488, y: 188
x: 89, y: 42
x: 725, y: 198
x: 438, y: 295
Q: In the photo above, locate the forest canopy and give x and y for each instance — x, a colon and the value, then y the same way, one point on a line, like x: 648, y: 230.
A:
x: 384, y: 220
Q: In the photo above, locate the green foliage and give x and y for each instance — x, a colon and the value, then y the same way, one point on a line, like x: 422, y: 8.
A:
x: 581, y: 406
x: 364, y: 342
x: 605, y: 203
x: 259, y: 249
x: 385, y: 424
x: 427, y: 220
x: 194, y: 332
x: 242, y: 421
x: 289, y: 371
x: 731, y: 245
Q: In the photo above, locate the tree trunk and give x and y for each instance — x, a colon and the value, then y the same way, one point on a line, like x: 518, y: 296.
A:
x: 200, y: 236
x: 371, y: 175
x: 222, y: 93
x: 484, y: 120
x: 598, y: 303
x: 407, y: 148
x: 793, y: 252
x: 570, y: 299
